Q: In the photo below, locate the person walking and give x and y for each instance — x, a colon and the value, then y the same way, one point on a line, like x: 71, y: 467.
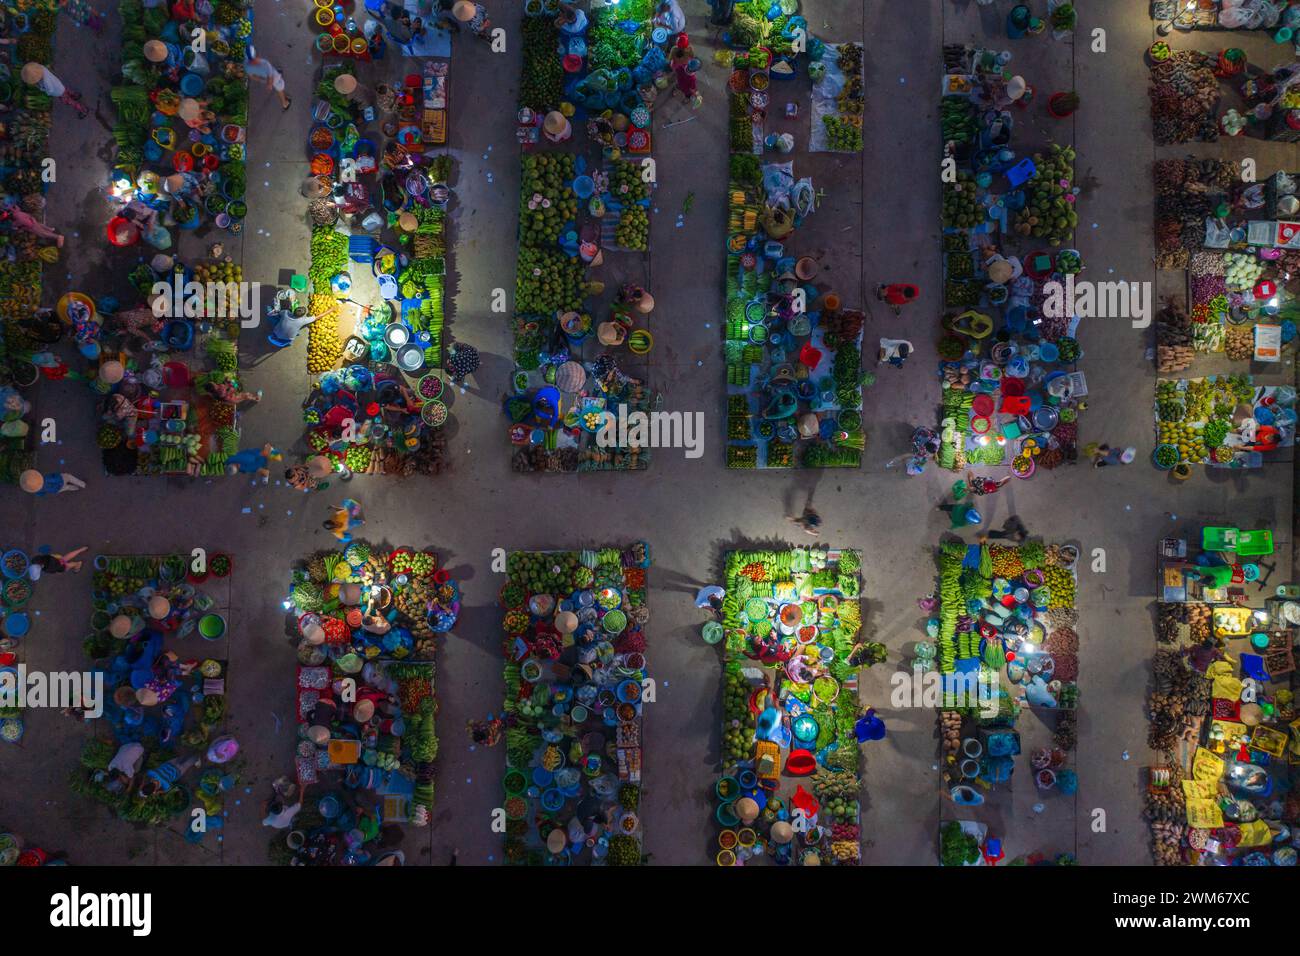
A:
x: 55, y: 563
x: 894, y: 351
x: 1104, y: 455
x: 474, y: 16
x: 345, y: 517
x: 43, y: 78
x: 810, y: 521
x: 961, y: 514
x: 300, y: 478
x: 258, y: 68
x: 52, y: 483
x: 897, y: 294
x: 254, y: 461
x: 686, y: 84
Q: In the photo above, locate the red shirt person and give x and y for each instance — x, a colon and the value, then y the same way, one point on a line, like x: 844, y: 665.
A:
x: 897, y: 293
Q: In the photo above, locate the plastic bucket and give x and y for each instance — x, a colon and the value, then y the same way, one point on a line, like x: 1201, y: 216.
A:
x: 212, y: 627
x: 17, y: 624
x: 727, y: 789
x: 515, y: 783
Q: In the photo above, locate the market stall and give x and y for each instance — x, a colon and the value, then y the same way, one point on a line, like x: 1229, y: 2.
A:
x: 1222, y: 705
x: 1243, y: 268
x: 790, y: 782
x: 368, y: 623
x: 1187, y: 15
x: 165, y: 367
x: 179, y: 132
x: 1221, y: 421
x: 582, y: 312
x: 24, y: 139
x: 1200, y: 95
x: 793, y: 350
x: 159, y: 638
x: 15, y: 851
x: 1011, y: 386
x: 380, y: 205
x: 576, y: 686
x: 16, y: 590
x: 1005, y: 641
x: 168, y: 390
x: 838, y: 100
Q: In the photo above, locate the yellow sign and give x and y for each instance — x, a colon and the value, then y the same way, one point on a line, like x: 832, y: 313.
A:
x: 1200, y: 789
x: 1206, y: 766
x: 1255, y: 833
x: 1204, y: 814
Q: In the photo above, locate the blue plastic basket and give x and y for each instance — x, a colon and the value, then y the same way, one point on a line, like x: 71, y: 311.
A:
x: 15, y: 557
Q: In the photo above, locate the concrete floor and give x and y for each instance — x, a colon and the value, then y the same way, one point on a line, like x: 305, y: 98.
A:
x: 879, y: 223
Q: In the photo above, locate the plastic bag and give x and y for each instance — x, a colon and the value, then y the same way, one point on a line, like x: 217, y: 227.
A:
x: 1244, y: 14
x: 1217, y: 235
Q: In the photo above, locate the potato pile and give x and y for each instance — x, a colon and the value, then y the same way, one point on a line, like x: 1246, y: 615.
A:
x: 950, y: 729
x: 1173, y: 339
x: 1176, y: 694
x: 1239, y: 343
x: 1165, y: 813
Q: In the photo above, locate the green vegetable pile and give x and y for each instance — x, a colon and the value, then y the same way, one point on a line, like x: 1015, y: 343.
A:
x: 843, y: 135
x: 1047, y: 213
x: 961, y: 205
x: 541, y: 85
x: 329, y: 257
x: 543, y: 572
x: 547, y: 281
x: 957, y: 115
x: 737, y: 721
x: 624, y: 851
x: 545, y: 201
x: 956, y: 847
x: 633, y: 229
